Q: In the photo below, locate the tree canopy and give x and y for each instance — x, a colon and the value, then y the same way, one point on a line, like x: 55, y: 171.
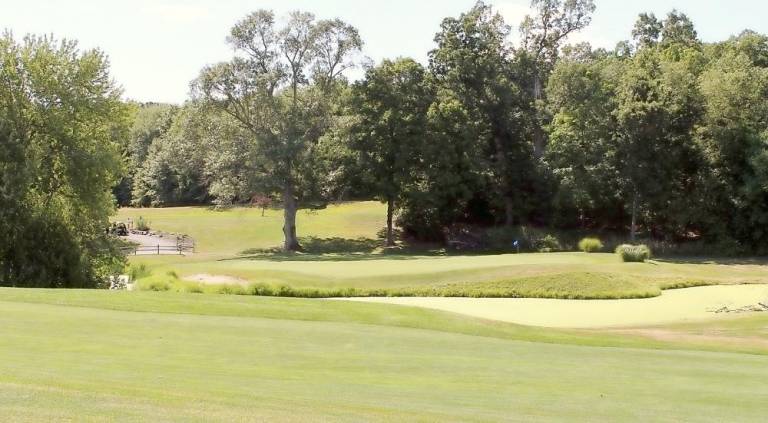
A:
x: 61, y: 121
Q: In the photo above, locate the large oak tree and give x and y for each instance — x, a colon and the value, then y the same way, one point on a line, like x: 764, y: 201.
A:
x: 279, y: 87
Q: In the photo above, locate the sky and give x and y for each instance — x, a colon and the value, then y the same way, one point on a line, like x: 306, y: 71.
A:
x: 156, y: 47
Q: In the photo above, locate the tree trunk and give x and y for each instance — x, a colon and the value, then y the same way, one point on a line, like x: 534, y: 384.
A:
x: 509, y: 211
x: 539, y: 138
x: 289, y: 225
x: 633, y: 227
x: 505, y: 182
x: 390, y: 212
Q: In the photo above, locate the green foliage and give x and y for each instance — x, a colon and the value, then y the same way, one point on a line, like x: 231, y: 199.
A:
x: 141, y: 224
x: 172, y: 167
x: 61, y: 122
x: 536, y: 134
x: 633, y: 253
x: 547, y: 244
x: 390, y: 106
x: 590, y: 245
x: 480, y: 77
x: 529, y: 239
x: 138, y: 271
x: 155, y: 285
x: 281, y: 95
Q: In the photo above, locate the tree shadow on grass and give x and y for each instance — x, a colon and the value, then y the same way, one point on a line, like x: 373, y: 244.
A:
x: 340, y: 249
x: 753, y: 261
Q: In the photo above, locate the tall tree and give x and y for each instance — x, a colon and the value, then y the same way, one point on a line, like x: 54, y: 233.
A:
x: 678, y: 29
x: 474, y: 61
x: 542, y: 36
x: 171, y: 171
x: 278, y: 88
x: 647, y: 30
x: 391, y: 104
x: 582, y: 148
x: 734, y: 136
x: 60, y: 122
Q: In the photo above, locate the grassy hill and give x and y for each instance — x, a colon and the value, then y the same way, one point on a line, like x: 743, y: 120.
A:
x: 344, y: 258
x: 130, y: 356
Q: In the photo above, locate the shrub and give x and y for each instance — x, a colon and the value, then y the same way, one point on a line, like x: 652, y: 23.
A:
x: 138, y: 271
x: 142, y: 224
x: 231, y: 290
x: 633, y: 253
x: 590, y: 245
x: 547, y: 244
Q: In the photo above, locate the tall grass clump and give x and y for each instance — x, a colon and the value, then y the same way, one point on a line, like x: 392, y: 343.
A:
x: 633, y: 253
x: 142, y: 224
x: 590, y: 245
x: 156, y: 285
x: 138, y: 271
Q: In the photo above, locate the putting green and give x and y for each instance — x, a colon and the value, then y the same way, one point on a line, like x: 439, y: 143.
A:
x: 675, y: 306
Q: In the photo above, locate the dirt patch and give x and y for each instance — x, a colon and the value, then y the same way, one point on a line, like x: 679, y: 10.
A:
x: 708, y: 337
x: 216, y: 279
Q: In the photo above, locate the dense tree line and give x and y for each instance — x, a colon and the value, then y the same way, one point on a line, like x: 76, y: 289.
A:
x: 60, y: 119
x: 663, y: 137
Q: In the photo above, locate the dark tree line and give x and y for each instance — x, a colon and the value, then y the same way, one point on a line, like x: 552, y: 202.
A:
x: 663, y: 137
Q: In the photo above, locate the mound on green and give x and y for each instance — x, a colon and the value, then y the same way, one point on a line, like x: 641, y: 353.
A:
x: 344, y: 258
x: 562, y: 275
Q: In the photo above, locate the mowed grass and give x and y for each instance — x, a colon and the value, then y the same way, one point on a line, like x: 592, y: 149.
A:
x: 133, y: 356
x: 345, y: 259
x: 231, y: 231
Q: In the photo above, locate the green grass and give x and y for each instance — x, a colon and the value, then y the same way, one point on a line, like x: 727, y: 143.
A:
x: 235, y: 230
x: 344, y: 258
x: 79, y: 355
x: 94, y: 356
x: 561, y: 275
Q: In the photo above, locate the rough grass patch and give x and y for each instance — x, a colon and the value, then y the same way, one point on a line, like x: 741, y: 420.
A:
x: 156, y: 285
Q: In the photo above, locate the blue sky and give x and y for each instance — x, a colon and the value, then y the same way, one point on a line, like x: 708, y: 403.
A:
x: 157, y: 46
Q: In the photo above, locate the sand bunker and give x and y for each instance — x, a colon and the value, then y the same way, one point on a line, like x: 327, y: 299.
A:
x: 215, y: 279
x: 675, y: 306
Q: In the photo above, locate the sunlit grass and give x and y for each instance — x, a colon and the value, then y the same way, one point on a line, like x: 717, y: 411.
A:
x: 96, y: 356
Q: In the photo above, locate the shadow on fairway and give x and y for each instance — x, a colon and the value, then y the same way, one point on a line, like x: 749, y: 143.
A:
x: 753, y: 261
x: 340, y: 249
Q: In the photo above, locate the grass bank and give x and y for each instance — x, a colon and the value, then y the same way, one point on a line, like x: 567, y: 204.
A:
x: 344, y: 258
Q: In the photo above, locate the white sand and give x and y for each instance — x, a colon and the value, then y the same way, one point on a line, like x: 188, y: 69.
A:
x: 674, y: 306
x: 207, y: 279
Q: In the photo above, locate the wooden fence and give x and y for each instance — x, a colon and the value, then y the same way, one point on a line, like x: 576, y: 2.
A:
x: 183, y: 246
x: 160, y: 249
